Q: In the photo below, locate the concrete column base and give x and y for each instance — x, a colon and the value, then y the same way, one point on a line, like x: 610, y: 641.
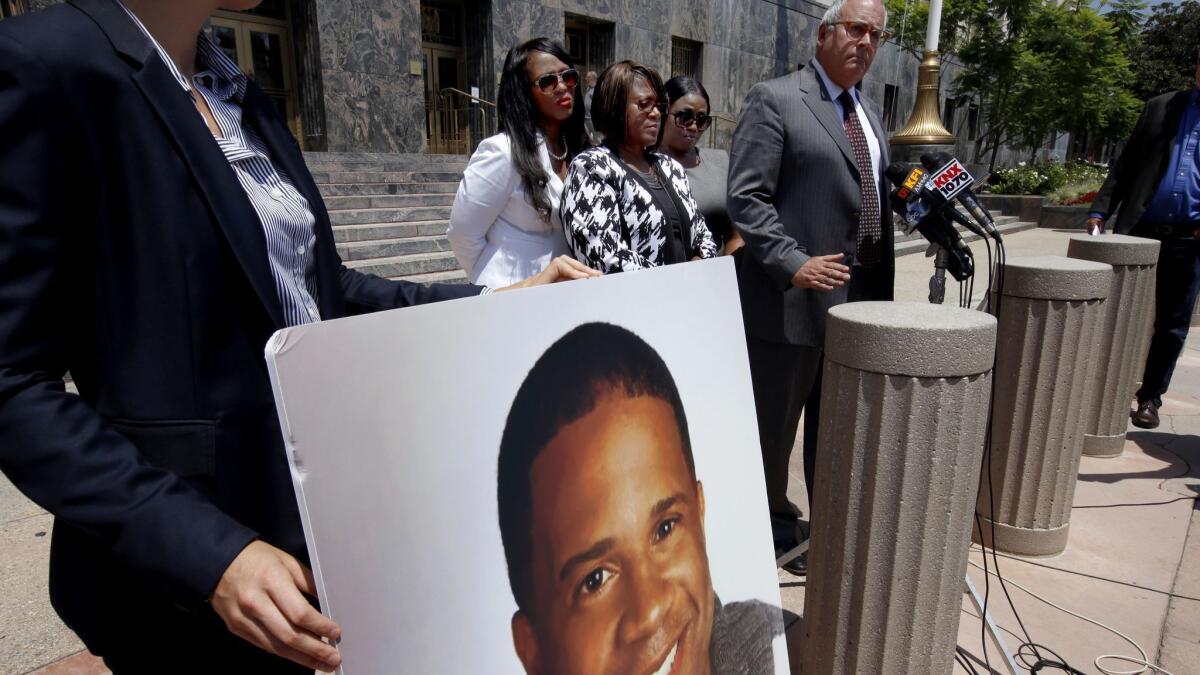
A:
x: 1026, y: 541
x: 903, y: 414
x: 1051, y: 312
x: 1103, y: 446
x: 1119, y: 350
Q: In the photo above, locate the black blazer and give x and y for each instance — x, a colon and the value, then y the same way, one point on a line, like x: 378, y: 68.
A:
x: 1135, y: 176
x: 131, y: 257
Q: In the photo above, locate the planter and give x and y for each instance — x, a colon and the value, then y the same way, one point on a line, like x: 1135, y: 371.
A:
x: 1064, y: 217
x: 1027, y: 208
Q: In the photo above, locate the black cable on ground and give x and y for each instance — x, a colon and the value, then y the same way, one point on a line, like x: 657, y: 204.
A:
x: 1040, y: 663
x: 964, y: 660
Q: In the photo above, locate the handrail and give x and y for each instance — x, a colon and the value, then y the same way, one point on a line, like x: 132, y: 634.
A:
x: 723, y: 116
x: 460, y: 92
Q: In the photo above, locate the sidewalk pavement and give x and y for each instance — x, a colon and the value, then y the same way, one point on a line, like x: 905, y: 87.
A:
x: 1133, y: 561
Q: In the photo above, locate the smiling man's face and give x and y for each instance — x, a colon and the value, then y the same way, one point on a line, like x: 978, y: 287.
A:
x: 620, y: 573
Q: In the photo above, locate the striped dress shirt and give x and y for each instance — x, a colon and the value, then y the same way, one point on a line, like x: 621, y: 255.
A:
x: 284, y: 214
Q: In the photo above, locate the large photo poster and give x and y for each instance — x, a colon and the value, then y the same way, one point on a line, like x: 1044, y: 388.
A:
x: 563, y: 479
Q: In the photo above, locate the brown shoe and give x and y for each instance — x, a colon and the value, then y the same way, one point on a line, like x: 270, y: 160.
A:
x: 1146, y: 415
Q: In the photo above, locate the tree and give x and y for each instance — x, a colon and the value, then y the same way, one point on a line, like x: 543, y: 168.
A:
x: 1164, y: 59
x: 1039, y: 69
x: 908, y: 19
x: 1071, y: 77
x: 1126, y: 17
x: 989, y: 55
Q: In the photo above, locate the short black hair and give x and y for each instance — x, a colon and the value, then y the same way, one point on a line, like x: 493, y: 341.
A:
x: 565, y: 384
x: 611, y: 100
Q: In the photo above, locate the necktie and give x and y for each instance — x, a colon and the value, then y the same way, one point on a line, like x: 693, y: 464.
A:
x: 869, y: 226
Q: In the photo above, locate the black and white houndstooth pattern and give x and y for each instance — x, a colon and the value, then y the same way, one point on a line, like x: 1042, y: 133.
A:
x: 599, y: 191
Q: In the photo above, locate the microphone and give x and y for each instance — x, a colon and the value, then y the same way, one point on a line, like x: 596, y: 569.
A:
x: 911, y: 200
x: 957, y: 180
x: 915, y: 188
x: 925, y: 189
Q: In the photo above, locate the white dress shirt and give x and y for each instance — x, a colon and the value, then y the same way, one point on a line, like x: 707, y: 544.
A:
x: 286, y: 218
x: 869, y: 131
x: 496, y: 234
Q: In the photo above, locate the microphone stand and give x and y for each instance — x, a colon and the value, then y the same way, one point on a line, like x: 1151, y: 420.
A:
x: 937, y: 282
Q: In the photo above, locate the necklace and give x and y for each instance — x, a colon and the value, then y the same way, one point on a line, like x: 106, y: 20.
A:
x: 563, y: 156
x: 649, y: 176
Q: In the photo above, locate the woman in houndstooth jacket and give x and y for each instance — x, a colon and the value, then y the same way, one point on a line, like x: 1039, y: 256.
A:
x: 625, y: 207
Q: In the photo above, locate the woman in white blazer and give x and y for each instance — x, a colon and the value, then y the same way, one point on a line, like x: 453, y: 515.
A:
x: 504, y: 224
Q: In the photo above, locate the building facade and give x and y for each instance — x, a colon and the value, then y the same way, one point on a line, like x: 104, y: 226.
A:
x: 413, y: 76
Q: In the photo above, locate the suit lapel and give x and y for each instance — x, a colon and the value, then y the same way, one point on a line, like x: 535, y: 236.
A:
x: 259, y: 112
x: 876, y: 127
x: 818, y: 101
x: 218, y: 184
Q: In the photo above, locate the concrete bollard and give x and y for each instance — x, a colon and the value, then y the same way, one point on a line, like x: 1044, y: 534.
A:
x: 903, y: 415
x: 1050, y: 310
x: 1119, y: 352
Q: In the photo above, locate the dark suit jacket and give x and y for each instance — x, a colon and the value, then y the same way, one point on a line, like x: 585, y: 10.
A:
x: 130, y: 256
x: 793, y: 194
x: 1135, y: 176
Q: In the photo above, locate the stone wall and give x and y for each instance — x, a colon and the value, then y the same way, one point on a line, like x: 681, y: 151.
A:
x: 744, y: 42
x: 372, y: 101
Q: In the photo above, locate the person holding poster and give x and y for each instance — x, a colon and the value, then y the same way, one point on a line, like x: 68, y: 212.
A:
x: 602, y: 522
x: 626, y: 207
x: 504, y: 225
x: 157, y: 225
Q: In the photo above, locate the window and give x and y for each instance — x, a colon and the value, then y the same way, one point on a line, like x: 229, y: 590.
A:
x: 589, y: 43
x: 441, y: 24
x: 685, y: 58
x: 948, y: 110
x: 972, y: 122
x: 889, y: 106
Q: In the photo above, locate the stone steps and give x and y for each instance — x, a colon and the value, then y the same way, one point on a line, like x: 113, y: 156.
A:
x: 393, y: 215
x: 390, y: 212
x: 343, y: 161
x: 369, y: 231
x: 391, y: 248
x: 406, y: 266
x: 374, y: 176
x: 387, y: 201
x: 330, y: 190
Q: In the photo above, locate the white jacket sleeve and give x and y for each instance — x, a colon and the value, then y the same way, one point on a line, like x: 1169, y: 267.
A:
x: 486, y: 187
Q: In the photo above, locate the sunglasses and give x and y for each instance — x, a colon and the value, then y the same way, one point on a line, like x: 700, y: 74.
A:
x: 685, y: 117
x: 857, y: 29
x: 547, y: 82
x: 647, y: 104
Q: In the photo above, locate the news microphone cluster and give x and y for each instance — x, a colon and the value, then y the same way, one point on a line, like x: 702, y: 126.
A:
x: 951, y: 180
x: 921, y: 208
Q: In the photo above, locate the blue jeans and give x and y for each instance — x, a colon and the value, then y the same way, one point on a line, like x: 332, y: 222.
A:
x: 1178, y: 284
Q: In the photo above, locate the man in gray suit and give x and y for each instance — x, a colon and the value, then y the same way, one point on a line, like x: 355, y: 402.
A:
x: 805, y: 193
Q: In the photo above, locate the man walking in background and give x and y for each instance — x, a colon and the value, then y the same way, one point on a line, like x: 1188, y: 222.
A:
x: 1154, y: 187
x: 805, y: 193
x: 589, y: 91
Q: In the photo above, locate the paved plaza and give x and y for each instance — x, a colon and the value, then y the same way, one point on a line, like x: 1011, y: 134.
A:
x: 1133, y: 561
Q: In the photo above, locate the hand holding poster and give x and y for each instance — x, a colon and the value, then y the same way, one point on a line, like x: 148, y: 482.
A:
x: 560, y: 480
